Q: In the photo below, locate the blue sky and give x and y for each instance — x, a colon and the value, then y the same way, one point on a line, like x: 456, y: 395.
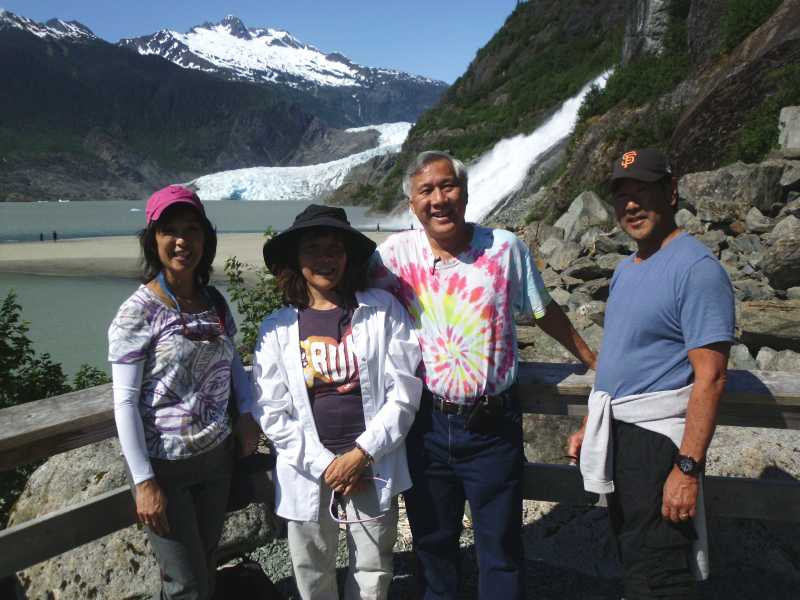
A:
x: 436, y: 39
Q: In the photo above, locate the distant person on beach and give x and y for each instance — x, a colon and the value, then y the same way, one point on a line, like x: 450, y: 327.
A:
x: 463, y: 284
x: 41, y: 237
x: 336, y: 393
x: 669, y: 325
x: 55, y: 236
x: 174, y: 365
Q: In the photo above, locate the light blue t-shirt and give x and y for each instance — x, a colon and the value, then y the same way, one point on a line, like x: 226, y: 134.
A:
x: 677, y: 300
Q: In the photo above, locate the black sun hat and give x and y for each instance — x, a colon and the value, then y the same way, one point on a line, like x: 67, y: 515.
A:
x: 282, y: 248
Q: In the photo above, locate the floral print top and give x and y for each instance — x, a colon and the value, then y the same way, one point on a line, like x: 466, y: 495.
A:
x: 463, y: 309
x: 186, y: 383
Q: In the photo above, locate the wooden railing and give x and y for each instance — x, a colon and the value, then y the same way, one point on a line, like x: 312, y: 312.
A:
x: 46, y: 427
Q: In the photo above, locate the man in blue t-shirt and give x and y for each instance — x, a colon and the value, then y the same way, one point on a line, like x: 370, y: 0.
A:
x: 669, y: 325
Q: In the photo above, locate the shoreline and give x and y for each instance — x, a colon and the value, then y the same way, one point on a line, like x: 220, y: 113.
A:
x: 118, y: 255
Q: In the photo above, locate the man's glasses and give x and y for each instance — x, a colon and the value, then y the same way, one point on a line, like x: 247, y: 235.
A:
x: 335, y: 495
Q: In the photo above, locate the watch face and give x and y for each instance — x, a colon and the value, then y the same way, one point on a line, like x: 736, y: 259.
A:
x: 686, y: 464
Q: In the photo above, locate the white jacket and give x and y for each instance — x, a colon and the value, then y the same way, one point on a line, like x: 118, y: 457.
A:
x: 388, y: 354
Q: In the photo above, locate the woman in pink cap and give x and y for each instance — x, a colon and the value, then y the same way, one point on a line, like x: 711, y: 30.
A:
x: 175, y: 368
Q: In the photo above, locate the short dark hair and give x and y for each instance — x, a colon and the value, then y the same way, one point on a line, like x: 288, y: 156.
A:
x: 293, y: 285
x: 151, y: 263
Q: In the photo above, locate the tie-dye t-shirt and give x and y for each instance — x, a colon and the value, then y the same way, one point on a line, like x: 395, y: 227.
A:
x: 463, y: 309
x: 186, y: 383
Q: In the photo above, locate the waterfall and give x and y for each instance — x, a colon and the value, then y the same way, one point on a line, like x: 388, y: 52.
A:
x: 502, y: 170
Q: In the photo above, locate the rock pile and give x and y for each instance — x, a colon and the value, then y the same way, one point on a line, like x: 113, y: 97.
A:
x: 748, y: 215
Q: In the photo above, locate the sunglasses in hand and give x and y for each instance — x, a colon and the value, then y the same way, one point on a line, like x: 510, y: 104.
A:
x: 336, y: 496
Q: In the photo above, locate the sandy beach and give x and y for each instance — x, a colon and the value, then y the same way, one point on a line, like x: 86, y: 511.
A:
x: 118, y: 256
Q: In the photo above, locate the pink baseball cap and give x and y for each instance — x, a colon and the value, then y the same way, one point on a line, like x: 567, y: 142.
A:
x: 166, y: 197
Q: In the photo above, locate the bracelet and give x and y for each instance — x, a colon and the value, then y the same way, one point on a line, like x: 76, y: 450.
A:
x: 368, y: 456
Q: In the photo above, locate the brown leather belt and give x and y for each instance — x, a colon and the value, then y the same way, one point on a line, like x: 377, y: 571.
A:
x: 493, y: 404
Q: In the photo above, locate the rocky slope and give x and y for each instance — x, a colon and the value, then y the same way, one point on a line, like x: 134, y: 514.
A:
x: 546, y: 51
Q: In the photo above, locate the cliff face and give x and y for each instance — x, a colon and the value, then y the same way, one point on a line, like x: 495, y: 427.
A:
x: 543, y: 54
x: 702, y: 79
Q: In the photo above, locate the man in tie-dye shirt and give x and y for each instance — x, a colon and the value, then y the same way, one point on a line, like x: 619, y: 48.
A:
x: 462, y: 285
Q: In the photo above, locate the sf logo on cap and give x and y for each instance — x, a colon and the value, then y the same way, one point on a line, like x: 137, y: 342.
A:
x: 628, y: 159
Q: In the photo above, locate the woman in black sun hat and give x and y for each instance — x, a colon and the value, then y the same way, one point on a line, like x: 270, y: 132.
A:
x: 336, y: 393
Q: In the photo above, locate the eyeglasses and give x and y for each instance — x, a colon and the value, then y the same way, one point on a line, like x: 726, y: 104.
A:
x: 335, y: 495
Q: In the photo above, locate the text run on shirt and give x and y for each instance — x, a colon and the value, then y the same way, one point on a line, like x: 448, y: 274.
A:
x: 331, y: 374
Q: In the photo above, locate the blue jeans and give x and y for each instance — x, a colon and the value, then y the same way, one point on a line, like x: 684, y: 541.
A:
x: 449, y: 465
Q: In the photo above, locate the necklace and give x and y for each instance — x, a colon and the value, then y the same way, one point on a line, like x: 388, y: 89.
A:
x: 185, y: 300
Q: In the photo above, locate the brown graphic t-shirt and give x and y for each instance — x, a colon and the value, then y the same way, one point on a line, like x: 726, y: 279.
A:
x: 331, y: 374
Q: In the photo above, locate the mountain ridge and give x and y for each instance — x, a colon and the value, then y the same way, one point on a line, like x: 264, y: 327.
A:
x: 84, y: 118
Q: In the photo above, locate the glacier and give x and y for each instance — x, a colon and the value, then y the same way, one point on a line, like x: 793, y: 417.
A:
x: 307, y: 183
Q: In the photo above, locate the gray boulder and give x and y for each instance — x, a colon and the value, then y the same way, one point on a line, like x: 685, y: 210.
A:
x: 745, y: 244
x: 727, y: 194
x: 789, y: 132
x: 750, y: 289
x: 551, y: 278
x: 596, y: 289
x: 609, y: 262
x: 586, y: 210
x: 548, y: 247
x: 793, y: 293
x: 615, y: 242
x: 781, y: 264
x: 591, y: 312
x: 536, y: 233
x: 713, y: 240
x: 589, y: 239
x: 563, y: 255
x: 773, y: 323
x: 687, y: 221
x: 772, y: 360
x: 586, y: 269
x: 560, y: 296
x: 756, y: 222
x: 740, y: 358
x: 120, y: 565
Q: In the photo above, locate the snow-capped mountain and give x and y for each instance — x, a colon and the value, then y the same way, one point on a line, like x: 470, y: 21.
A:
x: 263, y: 55
x: 54, y: 28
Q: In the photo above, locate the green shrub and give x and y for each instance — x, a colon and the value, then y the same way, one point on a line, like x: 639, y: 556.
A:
x: 253, y: 302
x: 25, y: 377
x: 742, y: 17
x: 759, y: 132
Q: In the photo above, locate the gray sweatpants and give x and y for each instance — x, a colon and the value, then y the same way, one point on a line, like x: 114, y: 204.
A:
x: 197, y: 495
x: 313, y: 549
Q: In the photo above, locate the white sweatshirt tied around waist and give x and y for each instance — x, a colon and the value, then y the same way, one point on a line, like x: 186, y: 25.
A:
x: 661, y: 412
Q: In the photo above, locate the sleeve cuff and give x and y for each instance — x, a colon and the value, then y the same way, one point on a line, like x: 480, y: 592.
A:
x: 321, y: 462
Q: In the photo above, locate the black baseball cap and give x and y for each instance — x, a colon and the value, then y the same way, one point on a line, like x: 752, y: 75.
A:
x: 647, y: 164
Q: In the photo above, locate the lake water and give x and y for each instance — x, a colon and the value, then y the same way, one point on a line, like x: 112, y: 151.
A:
x: 69, y: 316
x: 22, y: 221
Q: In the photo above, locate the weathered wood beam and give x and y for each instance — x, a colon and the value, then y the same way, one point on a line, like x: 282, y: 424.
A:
x: 50, y: 535
x: 46, y: 427
x: 726, y: 497
x: 40, y: 429
x: 37, y: 540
